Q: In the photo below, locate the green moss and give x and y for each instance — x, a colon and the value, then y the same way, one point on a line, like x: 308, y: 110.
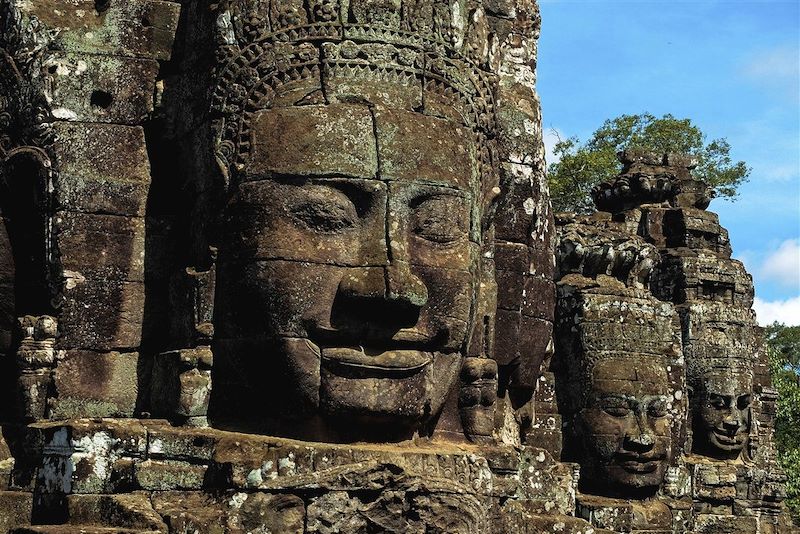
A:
x: 74, y: 408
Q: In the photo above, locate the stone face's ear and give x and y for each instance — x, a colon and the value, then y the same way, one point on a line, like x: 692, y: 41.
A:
x: 181, y: 385
x: 477, y: 397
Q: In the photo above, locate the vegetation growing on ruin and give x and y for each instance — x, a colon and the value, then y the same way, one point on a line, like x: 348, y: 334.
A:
x: 581, y: 165
x: 784, y: 350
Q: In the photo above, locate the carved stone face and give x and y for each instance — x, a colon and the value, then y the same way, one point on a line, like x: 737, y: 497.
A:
x: 625, y: 427
x: 722, y: 412
x: 350, y: 261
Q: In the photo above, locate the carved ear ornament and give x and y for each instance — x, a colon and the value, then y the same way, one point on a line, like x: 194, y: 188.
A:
x: 24, y: 113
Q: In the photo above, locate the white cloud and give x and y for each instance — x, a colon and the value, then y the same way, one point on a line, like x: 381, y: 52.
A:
x: 777, y: 67
x: 777, y: 62
x: 779, y: 173
x: 784, y: 311
x: 551, y: 137
x: 783, y: 265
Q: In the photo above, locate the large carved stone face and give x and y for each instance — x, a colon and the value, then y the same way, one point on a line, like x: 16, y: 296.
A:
x: 722, y: 412
x: 625, y: 427
x: 350, y: 261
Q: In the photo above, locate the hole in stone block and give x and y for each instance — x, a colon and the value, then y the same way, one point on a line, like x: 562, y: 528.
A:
x: 101, y: 5
x: 101, y: 99
x: 146, y: 22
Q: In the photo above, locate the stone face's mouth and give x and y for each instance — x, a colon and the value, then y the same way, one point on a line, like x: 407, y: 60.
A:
x: 411, y: 338
x: 634, y: 466
x: 362, y: 358
x: 726, y: 439
x: 640, y: 463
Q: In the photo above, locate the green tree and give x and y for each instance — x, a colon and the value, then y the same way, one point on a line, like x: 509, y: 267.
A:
x: 582, y: 165
x: 783, y: 343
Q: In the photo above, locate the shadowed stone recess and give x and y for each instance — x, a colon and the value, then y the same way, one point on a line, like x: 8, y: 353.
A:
x: 291, y: 267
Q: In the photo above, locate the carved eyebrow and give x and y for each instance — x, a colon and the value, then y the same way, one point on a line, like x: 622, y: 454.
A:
x: 425, y: 196
x: 715, y: 395
x: 633, y: 401
x: 615, y: 396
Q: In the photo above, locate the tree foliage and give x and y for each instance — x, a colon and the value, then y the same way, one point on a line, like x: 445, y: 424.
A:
x: 783, y: 343
x: 582, y: 165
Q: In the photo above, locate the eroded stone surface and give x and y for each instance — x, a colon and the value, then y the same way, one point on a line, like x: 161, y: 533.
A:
x: 327, y: 224
x: 727, y: 467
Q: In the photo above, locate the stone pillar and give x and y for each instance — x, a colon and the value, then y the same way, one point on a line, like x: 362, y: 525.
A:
x: 89, y: 70
x: 619, y: 379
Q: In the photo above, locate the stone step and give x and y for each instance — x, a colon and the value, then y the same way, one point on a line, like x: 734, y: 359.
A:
x: 538, y: 524
x: 79, y: 529
x: 15, y: 509
x: 99, y: 514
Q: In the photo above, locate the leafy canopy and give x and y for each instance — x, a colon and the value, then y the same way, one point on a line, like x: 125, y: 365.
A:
x: 581, y: 166
x: 783, y: 343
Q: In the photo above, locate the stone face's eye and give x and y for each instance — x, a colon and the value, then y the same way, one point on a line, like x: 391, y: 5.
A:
x: 615, y: 406
x: 718, y: 401
x: 323, y: 209
x: 657, y: 408
x: 441, y: 218
x: 743, y: 402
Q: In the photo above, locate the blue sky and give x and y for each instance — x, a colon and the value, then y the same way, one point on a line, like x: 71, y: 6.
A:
x: 733, y: 67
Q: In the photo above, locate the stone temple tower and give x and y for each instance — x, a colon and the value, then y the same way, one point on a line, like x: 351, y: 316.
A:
x: 290, y: 266
x: 654, y: 240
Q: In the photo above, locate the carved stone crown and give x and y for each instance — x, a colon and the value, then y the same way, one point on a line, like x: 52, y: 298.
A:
x: 649, y: 178
x: 591, y: 249
x: 719, y: 336
x: 295, y: 52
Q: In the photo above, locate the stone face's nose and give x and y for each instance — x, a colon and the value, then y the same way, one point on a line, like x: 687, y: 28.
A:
x: 395, y: 284
x: 640, y: 438
x: 364, y: 283
x: 380, y: 299
x: 731, y: 422
x: 404, y: 286
x: 640, y: 441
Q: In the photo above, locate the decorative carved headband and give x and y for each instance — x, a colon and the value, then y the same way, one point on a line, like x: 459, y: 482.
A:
x: 291, y: 52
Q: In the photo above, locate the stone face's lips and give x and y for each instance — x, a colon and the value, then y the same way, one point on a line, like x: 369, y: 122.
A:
x: 415, y: 337
x: 636, y: 466
x: 390, y: 360
x: 727, y: 439
x: 640, y: 463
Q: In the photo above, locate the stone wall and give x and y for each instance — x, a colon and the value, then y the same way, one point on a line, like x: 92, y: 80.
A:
x: 291, y: 267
